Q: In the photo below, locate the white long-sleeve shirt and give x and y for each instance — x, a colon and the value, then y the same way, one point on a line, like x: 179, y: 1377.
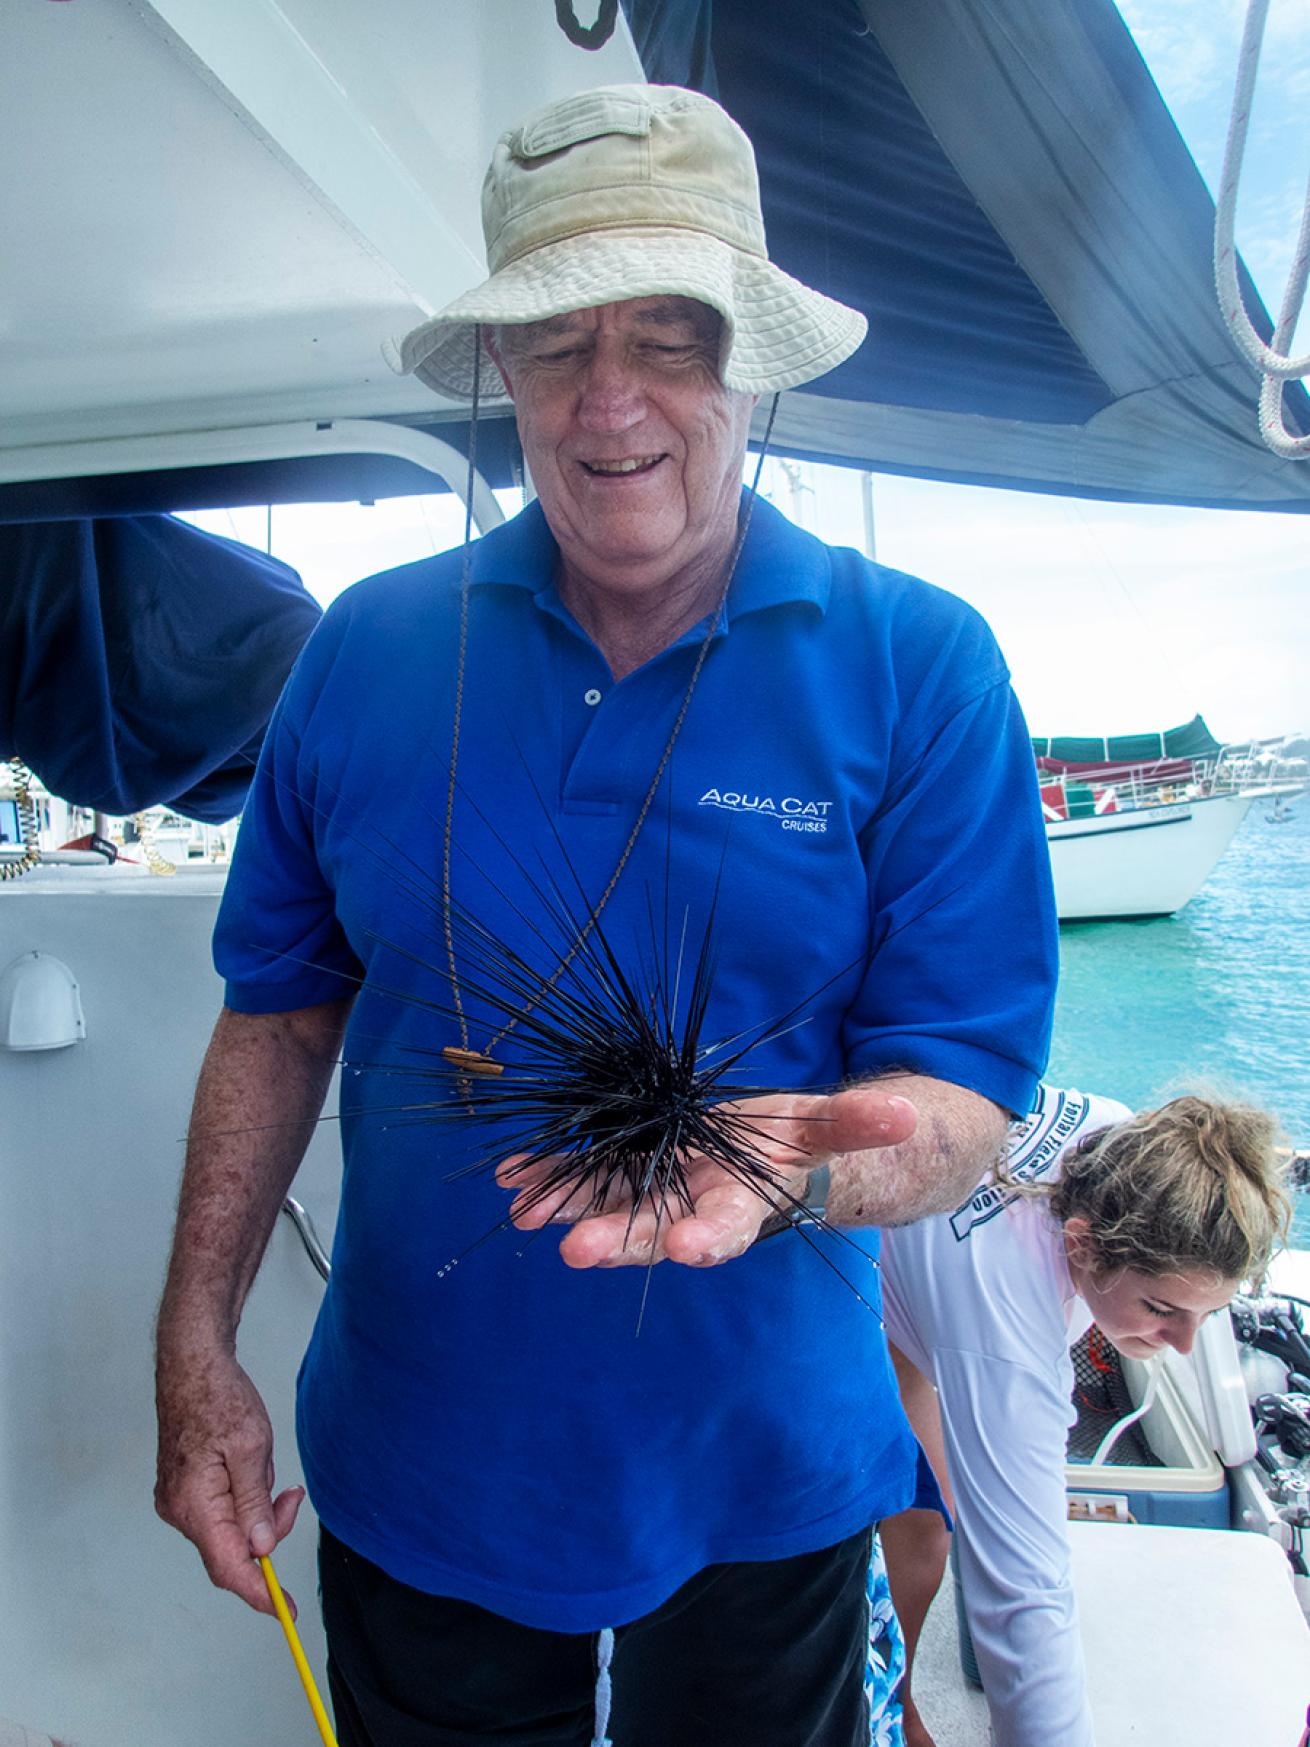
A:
x: 982, y: 1302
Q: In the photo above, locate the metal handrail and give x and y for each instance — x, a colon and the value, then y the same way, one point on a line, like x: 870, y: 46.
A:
x: 308, y: 1236
x: 1234, y: 769
x: 221, y: 445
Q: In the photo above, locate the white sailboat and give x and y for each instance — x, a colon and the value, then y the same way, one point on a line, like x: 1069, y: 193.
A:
x: 1132, y: 838
x: 1142, y: 862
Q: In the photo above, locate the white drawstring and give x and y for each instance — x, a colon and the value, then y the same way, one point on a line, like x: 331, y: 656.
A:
x: 604, y: 1688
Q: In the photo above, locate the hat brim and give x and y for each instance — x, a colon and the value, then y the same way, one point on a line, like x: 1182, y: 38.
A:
x: 778, y: 333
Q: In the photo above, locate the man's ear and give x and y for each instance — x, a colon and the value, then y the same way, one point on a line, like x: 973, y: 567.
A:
x: 498, y: 359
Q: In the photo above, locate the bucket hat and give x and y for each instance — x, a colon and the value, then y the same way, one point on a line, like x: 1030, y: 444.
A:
x: 634, y: 191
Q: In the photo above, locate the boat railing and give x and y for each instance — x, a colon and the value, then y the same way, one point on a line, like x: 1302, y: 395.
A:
x: 1258, y: 764
x: 1240, y: 768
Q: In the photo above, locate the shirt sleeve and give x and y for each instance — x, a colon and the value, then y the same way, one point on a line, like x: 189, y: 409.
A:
x: 278, y: 943
x: 961, y: 979
x: 1006, y: 1426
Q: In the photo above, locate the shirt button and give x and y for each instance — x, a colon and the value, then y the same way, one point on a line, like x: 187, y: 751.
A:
x: 591, y: 697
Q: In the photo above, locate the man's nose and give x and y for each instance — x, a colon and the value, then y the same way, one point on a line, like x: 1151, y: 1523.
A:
x: 612, y: 398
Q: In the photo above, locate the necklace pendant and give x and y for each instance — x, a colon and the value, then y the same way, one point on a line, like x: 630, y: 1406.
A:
x: 472, y: 1061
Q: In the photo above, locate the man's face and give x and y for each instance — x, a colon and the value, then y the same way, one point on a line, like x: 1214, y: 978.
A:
x: 634, y: 445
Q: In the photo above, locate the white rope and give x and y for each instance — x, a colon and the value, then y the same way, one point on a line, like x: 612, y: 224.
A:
x: 157, y: 863
x: 1272, y: 361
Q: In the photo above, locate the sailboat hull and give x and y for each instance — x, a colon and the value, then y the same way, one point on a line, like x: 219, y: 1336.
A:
x: 1146, y: 862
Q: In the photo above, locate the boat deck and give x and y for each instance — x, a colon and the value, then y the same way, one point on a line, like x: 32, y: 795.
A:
x: 954, y: 1712
x: 1190, y: 1635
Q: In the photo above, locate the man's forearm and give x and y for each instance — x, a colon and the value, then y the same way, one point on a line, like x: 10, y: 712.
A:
x: 260, y: 1091
x: 958, y: 1137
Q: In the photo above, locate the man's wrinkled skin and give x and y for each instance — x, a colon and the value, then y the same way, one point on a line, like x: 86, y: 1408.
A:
x: 635, y: 449
x: 262, y: 1086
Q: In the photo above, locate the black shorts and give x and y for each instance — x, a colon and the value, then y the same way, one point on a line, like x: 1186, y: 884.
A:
x: 743, y: 1655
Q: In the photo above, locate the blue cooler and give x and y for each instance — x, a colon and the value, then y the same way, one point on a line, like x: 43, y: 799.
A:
x: 1189, y: 1491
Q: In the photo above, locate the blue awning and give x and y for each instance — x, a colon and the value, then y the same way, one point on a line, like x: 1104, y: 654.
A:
x: 1001, y: 189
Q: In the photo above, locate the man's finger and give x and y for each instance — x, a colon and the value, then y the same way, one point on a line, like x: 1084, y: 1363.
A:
x: 224, y: 1547
x: 285, y: 1508
x: 513, y: 1172
x: 854, y: 1121
x: 724, y: 1225
x: 226, y: 1555
x: 534, y: 1206
x: 611, y: 1240
x: 726, y: 1219
x: 250, y: 1477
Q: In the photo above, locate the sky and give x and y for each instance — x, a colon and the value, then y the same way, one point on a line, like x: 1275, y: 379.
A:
x: 1117, y: 618
x: 1114, y: 618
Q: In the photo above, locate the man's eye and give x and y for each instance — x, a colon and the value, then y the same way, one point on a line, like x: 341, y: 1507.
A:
x: 1158, y: 1309
x: 557, y: 355
x: 672, y: 353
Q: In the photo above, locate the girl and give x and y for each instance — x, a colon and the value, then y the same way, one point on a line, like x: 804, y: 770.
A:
x: 1144, y: 1225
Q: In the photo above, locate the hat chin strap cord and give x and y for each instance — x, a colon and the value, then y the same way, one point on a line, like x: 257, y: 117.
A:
x: 463, y: 1054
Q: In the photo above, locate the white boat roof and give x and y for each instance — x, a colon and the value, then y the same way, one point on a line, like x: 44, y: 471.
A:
x: 216, y: 214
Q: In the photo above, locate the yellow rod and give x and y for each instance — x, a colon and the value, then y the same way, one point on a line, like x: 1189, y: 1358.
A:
x: 297, y: 1652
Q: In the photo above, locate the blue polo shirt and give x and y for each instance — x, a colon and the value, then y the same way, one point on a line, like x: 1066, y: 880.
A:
x: 855, y: 779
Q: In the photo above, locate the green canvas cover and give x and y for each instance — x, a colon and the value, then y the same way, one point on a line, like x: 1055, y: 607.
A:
x: 1192, y: 740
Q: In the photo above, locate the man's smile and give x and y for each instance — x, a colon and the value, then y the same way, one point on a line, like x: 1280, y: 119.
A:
x: 629, y: 464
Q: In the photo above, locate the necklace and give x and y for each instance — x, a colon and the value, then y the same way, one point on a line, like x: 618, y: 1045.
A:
x: 463, y: 1055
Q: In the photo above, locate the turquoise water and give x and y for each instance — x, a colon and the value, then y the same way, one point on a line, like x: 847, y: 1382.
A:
x: 1218, y: 995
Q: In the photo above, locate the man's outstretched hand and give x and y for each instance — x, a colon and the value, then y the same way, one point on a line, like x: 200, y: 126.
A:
x: 794, y: 1133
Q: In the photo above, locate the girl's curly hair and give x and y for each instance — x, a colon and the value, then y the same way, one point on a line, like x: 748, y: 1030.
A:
x: 1194, y: 1184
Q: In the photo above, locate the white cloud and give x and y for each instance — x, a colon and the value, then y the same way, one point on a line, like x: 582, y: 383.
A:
x: 1113, y: 617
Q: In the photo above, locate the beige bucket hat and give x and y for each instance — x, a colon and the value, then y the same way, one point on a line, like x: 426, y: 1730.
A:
x: 634, y: 191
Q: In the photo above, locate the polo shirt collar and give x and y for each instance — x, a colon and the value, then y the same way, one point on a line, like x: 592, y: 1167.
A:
x: 779, y: 564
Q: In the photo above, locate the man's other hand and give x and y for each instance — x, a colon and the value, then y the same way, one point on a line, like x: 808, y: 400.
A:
x: 215, y: 1477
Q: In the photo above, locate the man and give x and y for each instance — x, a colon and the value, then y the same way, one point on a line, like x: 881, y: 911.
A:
x: 623, y: 699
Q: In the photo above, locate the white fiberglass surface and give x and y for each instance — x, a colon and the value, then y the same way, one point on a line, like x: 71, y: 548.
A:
x: 112, y: 1635
x: 229, y: 210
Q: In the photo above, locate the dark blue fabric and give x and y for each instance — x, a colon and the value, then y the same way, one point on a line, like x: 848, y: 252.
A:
x: 861, y: 201
x: 854, y: 763
x: 140, y: 660
x: 927, y: 1490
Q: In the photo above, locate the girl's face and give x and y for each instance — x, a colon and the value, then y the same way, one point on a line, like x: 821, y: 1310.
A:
x: 1141, y: 1314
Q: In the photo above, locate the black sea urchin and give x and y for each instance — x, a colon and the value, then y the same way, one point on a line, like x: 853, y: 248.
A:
x: 603, y: 1084
x: 606, y: 1072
